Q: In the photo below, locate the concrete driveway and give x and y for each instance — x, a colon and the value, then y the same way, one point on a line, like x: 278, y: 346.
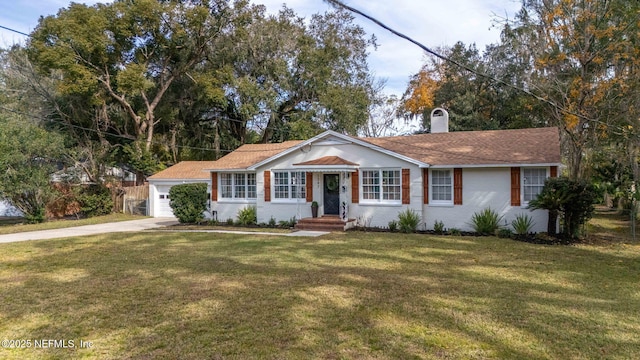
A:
x: 129, y: 226
x: 122, y: 226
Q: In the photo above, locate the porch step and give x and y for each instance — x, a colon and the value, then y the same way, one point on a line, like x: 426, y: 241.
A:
x: 324, y: 223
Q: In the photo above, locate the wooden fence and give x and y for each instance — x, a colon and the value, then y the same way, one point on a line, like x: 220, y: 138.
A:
x: 133, y: 200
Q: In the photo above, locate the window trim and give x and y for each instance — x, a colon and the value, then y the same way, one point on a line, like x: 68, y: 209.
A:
x: 434, y: 202
x: 524, y: 203
x: 289, y: 198
x: 233, y: 185
x: 380, y: 200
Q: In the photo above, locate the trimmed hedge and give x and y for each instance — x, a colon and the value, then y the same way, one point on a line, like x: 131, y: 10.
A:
x: 189, y: 202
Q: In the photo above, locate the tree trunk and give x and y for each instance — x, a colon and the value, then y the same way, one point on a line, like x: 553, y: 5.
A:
x: 552, y: 223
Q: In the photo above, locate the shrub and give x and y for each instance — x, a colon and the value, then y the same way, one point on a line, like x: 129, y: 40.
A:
x: 189, y: 202
x: 36, y: 216
x: 272, y: 222
x: 438, y: 227
x: 248, y: 216
x: 408, y: 221
x: 504, y: 233
x: 230, y: 222
x: 455, y: 231
x: 95, y: 200
x: 393, y: 226
x: 288, y: 223
x: 522, y: 224
x: 486, y: 222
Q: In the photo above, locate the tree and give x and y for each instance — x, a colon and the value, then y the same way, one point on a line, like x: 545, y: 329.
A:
x: 292, y: 79
x: 147, y: 83
x: 383, y: 115
x: 572, y: 198
x: 28, y: 157
x: 116, y: 62
x: 474, y: 100
x: 581, y: 52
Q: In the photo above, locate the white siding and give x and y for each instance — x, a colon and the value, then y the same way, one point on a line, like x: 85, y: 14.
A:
x: 373, y: 215
x: 483, y: 188
x: 229, y: 210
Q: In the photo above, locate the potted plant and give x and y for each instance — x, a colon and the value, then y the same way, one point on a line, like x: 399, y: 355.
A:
x: 314, y: 209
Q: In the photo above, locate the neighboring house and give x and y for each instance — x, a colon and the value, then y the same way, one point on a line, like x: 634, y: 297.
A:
x: 6, y: 209
x: 184, y: 172
x: 442, y: 176
x: 120, y: 174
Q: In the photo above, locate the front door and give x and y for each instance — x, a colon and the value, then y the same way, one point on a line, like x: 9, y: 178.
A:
x: 332, y: 194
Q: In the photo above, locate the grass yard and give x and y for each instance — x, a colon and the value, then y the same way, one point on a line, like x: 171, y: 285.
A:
x: 342, y: 296
x: 16, y: 225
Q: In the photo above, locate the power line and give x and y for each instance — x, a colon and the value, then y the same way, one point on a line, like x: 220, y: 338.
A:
x: 102, y: 132
x: 340, y: 4
x: 126, y: 137
x: 14, y: 30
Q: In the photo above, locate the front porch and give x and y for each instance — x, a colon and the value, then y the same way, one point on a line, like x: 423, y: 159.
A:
x: 325, y: 223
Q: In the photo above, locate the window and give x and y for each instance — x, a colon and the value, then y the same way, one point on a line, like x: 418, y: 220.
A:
x: 532, y: 182
x: 370, y: 185
x: 441, y: 186
x: 289, y: 185
x: 238, y: 186
x: 381, y: 185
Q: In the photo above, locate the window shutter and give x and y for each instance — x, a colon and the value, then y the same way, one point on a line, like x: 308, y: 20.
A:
x: 355, y: 187
x: 553, y: 171
x: 214, y: 186
x: 267, y: 185
x: 406, y: 186
x: 425, y: 186
x: 309, y: 185
x: 457, y: 186
x: 515, y: 186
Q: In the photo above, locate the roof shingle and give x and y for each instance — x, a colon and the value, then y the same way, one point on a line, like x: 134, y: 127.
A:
x: 493, y: 147
x: 249, y: 154
x: 193, y: 170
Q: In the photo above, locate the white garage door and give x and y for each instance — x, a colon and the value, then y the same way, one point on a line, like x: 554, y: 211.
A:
x: 162, y: 202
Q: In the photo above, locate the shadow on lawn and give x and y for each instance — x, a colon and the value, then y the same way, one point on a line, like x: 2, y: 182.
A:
x: 356, y: 296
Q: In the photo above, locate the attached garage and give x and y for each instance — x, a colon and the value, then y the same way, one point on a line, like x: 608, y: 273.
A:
x: 163, y: 207
x: 185, y: 172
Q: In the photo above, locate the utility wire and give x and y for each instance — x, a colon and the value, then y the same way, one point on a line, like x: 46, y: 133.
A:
x: 44, y: 119
x: 340, y: 4
x: 14, y: 30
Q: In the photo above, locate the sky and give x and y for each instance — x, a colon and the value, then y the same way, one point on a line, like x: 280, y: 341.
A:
x: 433, y: 23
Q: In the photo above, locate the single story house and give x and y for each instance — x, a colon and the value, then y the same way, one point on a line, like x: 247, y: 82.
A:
x: 443, y: 176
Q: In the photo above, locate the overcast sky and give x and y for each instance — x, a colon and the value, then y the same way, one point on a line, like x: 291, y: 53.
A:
x: 431, y: 22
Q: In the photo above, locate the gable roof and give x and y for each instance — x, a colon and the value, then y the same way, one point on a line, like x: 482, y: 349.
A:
x: 460, y: 148
x: 332, y: 137
x: 192, y: 170
x: 478, y: 148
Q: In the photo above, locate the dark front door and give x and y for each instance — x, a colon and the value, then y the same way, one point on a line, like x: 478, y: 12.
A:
x: 331, y: 194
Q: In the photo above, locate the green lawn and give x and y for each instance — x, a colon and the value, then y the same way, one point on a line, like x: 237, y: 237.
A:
x: 16, y: 225
x: 349, y: 296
